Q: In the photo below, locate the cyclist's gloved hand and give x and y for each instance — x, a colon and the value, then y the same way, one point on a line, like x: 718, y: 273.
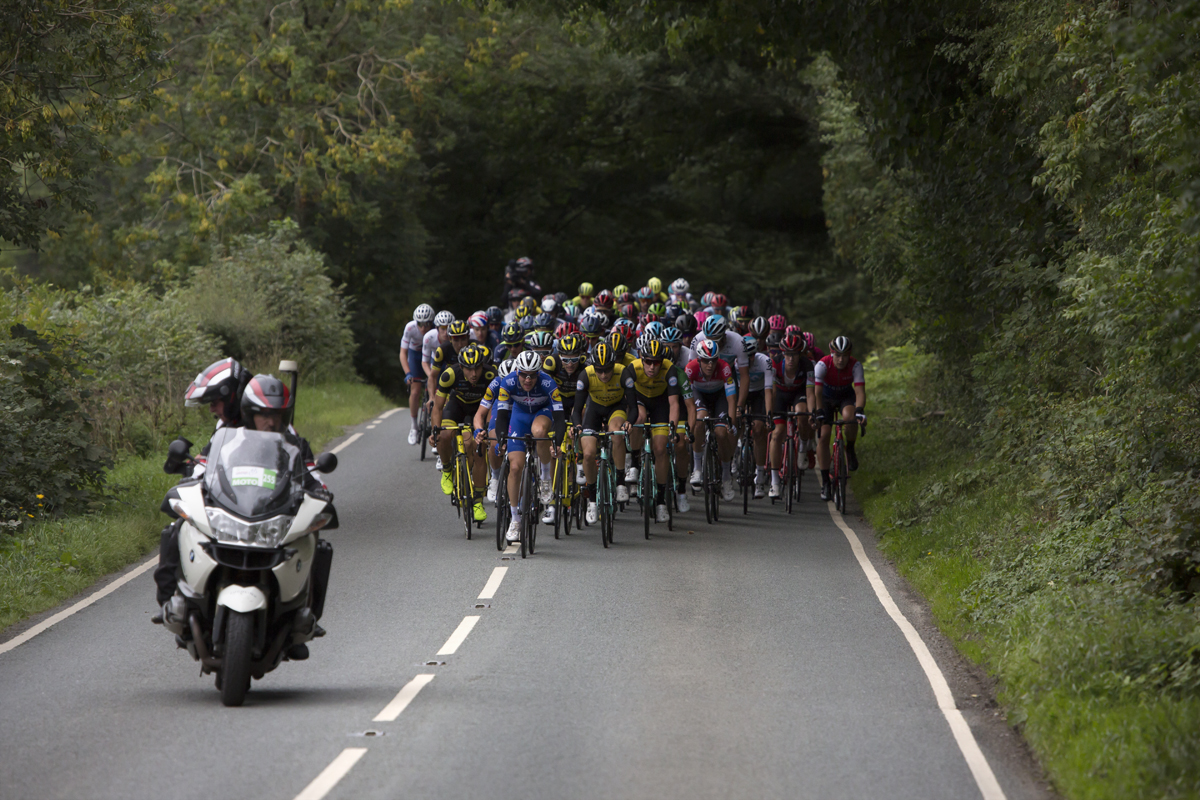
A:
x: 860, y: 414
x: 407, y: 378
x: 819, y: 417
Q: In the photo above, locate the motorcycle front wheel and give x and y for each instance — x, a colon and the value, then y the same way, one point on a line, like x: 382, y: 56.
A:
x: 235, y: 665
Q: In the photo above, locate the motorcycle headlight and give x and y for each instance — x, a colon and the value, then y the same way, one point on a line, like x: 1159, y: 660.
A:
x: 230, y: 529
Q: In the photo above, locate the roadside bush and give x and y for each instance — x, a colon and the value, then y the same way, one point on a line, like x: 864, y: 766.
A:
x: 270, y: 297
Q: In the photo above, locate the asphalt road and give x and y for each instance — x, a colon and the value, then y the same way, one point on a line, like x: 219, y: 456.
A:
x: 751, y: 658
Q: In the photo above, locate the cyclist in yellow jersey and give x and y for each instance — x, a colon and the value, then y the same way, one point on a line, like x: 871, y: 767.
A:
x: 604, y: 399
x: 657, y: 389
x: 657, y: 295
x: 584, y: 298
x: 620, y: 345
x: 460, y: 388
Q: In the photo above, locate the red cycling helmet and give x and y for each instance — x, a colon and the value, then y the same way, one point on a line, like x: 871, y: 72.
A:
x: 809, y: 340
x: 564, y: 329
x: 604, y: 299
x: 720, y: 301
x: 792, y: 329
x: 777, y: 322
x: 792, y: 344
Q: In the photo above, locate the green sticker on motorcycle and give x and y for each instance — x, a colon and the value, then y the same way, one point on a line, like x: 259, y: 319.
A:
x: 253, y: 476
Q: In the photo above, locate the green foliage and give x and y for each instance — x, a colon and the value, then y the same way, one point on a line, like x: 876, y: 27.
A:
x: 270, y: 297
x: 70, y: 74
x: 50, y: 462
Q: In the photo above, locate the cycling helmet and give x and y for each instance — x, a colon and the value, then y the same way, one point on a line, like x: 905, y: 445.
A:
x: 643, y: 293
x: 743, y: 314
x: 620, y: 289
x: 266, y: 393
x: 790, y: 329
x: 719, y: 301
x: 773, y: 339
x: 841, y: 344
x: 626, y: 326
x: 700, y: 317
x: 657, y: 309
x: 654, y: 285
x: 586, y: 289
x: 458, y: 328
x: 549, y: 304
x: 777, y: 322
x: 506, y: 366
x: 530, y: 302
x: 564, y: 329
x: 529, y: 361
x: 423, y: 314
x: 707, y: 350
x: 809, y: 340
x: 471, y: 357
x: 483, y: 348
x: 655, y: 328
x: 624, y: 298
x: 627, y: 310
x: 653, y: 350
x: 522, y: 312
x: 604, y: 299
x: 220, y: 380
x: 570, y: 309
x: 649, y: 317
x: 541, y: 341
x: 759, y: 326
x: 715, y: 327
x: 679, y: 286
x: 510, y: 334
x: 618, y: 339
x: 604, y: 358
x: 515, y: 294
x: 706, y: 299
x: 571, y: 346
x: 544, y: 321
x: 671, y: 335
x: 443, y: 319
x: 522, y: 265
x: 525, y: 323
x: 590, y: 325
x: 749, y: 345
x: 791, y: 344
x: 478, y: 320
x: 495, y: 315
x: 561, y: 297
x: 686, y: 324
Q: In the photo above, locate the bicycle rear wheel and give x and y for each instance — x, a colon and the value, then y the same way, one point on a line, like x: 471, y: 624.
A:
x: 466, y: 498
x: 502, y: 508
x: 647, y: 481
x: 603, y: 501
x: 706, y: 472
x: 525, y: 507
x: 423, y: 428
x: 790, y: 470
x: 843, y: 479
x: 746, y: 473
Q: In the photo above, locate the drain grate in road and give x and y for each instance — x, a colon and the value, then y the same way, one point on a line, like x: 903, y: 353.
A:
x: 434, y: 664
x: 482, y: 605
x: 369, y: 733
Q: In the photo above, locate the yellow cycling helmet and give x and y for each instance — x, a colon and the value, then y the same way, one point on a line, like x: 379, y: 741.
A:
x: 471, y: 357
x: 523, y: 311
x: 620, y: 289
x: 586, y: 289
x: 458, y: 328
x: 655, y: 285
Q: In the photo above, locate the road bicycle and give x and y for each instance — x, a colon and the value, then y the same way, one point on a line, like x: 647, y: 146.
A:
x: 839, y: 474
x: 503, y: 509
x: 647, y: 487
x: 530, y: 502
x: 463, y: 495
x: 568, y: 498
x: 606, y: 484
x: 673, y: 475
x: 711, y: 469
x: 744, y: 457
x: 790, y: 474
x: 424, y: 426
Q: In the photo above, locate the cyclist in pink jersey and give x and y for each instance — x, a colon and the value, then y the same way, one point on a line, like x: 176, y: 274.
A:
x: 841, y: 390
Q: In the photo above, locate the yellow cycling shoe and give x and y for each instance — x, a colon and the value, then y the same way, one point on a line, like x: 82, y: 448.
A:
x: 480, y: 512
x: 447, y: 482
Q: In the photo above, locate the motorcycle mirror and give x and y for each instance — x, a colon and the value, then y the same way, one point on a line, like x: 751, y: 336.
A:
x: 177, y: 454
x: 327, y: 462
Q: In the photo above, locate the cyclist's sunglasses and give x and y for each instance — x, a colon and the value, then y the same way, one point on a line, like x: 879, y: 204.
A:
x: 569, y: 359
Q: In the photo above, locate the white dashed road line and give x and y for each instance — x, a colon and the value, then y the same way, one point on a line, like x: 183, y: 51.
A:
x: 346, y: 443
x: 405, y: 696
x: 330, y: 776
x: 985, y: 779
x: 460, y: 634
x: 387, y: 414
x: 489, y: 589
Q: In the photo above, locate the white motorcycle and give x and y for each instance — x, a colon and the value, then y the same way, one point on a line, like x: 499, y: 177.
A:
x: 254, y: 570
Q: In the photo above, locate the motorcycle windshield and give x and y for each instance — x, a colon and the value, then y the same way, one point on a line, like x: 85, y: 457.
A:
x: 251, y: 473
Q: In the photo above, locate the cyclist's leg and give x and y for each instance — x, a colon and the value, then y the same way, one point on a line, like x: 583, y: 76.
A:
x: 615, y: 422
x: 521, y: 424
x: 541, y: 425
x: 702, y: 404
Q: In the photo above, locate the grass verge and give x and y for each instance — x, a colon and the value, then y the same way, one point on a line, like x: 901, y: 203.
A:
x: 53, y: 559
x: 1100, y: 677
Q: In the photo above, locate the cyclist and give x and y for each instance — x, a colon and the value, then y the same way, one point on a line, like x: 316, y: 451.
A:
x: 680, y: 294
x: 839, y: 379
x: 527, y: 398
x: 680, y: 355
x: 495, y: 317
x: 584, y: 299
x: 512, y: 342
x: 540, y: 342
x: 688, y: 327
x: 485, y: 422
x: 604, y: 400
x: 742, y: 316
x: 759, y: 329
x: 716, y: 329
x: 460, y: 388
x: 656, y: 387
x: 793, y: 392
x: 410, y: 361
x: 434, y: 339
x: 478, y: 325
x: 657, y: 295
x: 760, y: 399
x: 619, y: 341
x: 447, y: 354
x: 566, y: 366
x: 712, y: 383
x: 813, y: 352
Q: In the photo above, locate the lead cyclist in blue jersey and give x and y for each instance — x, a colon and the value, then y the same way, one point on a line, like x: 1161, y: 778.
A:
x: 528, y: 401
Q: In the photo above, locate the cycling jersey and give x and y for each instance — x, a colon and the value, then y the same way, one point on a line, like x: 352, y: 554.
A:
x: 802, y: 378
x: 566, y: 382
x: 429, y: 344
x: 732, y: 350
x: 828, y: 376
x: 413, y: 337
x: 762, y: 373
x: 605, y: 393
x: 453, y: 384
x: 443, y: 358
x: 722, y: 377
x: 685, y: 386
x: 664, y: 382
x: 543, y: 396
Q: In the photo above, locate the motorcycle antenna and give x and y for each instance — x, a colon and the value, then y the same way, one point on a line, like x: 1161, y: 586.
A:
x: 291, y: 368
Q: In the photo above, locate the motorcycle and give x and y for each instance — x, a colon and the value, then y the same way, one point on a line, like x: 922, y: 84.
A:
x: 254, y: 569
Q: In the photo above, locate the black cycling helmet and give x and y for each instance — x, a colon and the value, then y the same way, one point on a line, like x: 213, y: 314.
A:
x: 220, y: 380
x: 525, y: 323
x: 654, y: 351
x: 687, y: 325
x: 591, y: 325
x: 571, y: 346
x: 458, y: 328
x: 544, y: 321
x: 266, y: 393
x: 495, y: 315
x: 510, y: 334
x: 471, y: 356
x: 604, y: 357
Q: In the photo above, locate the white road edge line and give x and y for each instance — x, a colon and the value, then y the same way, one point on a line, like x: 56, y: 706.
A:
x: 460, y: 634
x: 371, y: 427
x: 82, y: 604
x: 489, y: 588
x: 985, y: 779
x: 329, y: 777
x: 346, y: 443
x: 405, y: 696
x: 388, y: 413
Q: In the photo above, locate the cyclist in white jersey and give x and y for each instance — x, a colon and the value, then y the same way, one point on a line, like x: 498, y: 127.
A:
x: 434, y: 339
x: 760, y: 401
x: 733, y: 352
x: 411, y: 356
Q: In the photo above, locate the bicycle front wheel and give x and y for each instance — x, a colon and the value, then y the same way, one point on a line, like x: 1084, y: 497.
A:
x: 466, y: 493
x: 647, y: 479
x: 843, y: 479
x: 502, y: 508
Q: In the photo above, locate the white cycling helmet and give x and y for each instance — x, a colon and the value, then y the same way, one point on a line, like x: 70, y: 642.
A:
x: 423, y: 314
x: 680, y: 286
x: 443, y: 319
x: 529, y: 361
x: 506, y: 366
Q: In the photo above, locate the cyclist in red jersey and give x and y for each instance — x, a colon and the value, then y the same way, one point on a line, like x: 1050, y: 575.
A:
x: 794, y: 391
x: 841, y: 389
x: 714, y: 391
